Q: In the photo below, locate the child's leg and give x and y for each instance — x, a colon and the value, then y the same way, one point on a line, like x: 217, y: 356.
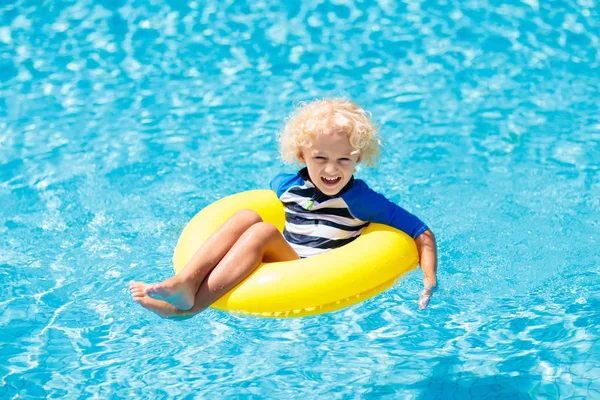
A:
x: 260, y: 242
x: 181, y: 289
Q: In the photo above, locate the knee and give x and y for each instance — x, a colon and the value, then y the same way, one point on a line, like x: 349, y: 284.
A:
x: 247, y: 217
x: 261, y: 232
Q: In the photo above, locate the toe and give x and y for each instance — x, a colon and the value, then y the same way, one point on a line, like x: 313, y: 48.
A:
x: 136, y: 285
x: 138, y: 299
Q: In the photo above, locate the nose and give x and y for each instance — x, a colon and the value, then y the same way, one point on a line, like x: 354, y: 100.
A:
x: 330, y: 168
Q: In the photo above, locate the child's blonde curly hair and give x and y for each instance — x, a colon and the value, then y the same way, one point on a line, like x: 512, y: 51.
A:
x: 336, y: 115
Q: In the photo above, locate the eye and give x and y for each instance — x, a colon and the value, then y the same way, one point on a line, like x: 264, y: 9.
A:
x: 320, y: 158
x: 343, y: 159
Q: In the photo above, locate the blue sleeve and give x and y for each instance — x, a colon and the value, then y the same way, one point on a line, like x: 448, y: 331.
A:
x: 368, y: 205
x: 283, y: 182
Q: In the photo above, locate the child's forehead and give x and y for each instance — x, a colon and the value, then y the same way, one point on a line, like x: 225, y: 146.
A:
x: 330, y: 140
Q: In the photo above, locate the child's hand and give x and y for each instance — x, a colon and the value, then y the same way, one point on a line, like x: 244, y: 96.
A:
x: 425, y: 294
x: 424, y: 297
x: 426, y: 246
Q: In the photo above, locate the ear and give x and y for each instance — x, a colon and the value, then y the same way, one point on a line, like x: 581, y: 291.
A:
x: 300, y: 156
x: 359, y: 159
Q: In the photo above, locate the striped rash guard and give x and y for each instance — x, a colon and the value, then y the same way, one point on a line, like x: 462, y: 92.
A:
x: 316, y: 222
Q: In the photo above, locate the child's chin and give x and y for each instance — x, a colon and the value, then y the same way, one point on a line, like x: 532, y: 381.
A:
x: 330, y: 191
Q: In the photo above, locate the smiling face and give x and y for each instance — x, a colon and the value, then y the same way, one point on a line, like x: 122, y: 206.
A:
x: 330, y: 161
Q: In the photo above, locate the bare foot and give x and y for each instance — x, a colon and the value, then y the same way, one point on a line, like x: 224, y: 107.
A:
x: 162, y: 308
x: 173, y: 291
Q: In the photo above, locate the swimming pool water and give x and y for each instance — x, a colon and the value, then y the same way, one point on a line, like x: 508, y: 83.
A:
x: 120, y: 119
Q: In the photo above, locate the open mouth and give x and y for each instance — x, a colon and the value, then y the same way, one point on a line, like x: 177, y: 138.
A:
x: 331, y: 181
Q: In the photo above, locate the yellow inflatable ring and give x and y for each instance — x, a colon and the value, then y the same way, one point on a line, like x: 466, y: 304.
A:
x: 326, y: 282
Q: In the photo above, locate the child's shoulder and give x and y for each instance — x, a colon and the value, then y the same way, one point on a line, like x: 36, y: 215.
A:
x: 361, y: 199
x: 360, y: 190
x: 282, y: 182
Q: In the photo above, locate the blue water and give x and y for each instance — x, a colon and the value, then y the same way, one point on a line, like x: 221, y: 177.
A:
x: 120, y: 119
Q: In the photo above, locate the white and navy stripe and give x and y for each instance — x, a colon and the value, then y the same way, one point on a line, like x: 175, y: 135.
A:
x: 313, y: 226
x: 316, y: 223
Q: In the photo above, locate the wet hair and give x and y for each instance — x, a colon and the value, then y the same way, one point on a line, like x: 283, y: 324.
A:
x: 329, y: 115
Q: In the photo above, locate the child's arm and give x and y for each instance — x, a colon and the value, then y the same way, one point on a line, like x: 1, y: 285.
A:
x: 368, y: 205
x: 426, y: 246
x: 428, y: 255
